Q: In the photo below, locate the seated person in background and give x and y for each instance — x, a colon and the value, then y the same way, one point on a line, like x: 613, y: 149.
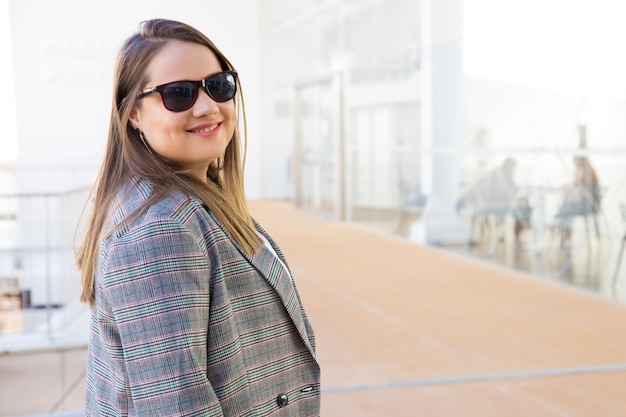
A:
x: 495, y: 195
x: 581, y: 198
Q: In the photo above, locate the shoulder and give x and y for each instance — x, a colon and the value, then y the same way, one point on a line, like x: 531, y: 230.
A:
x: 174, y: 231
x: 133, y: 212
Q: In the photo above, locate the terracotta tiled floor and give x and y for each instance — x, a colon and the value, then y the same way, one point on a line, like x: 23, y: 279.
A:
x: 405, y: 330
x: 39, y: 382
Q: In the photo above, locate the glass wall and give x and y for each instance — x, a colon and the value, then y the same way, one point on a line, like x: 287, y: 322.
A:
x: 39, y: 288
x: 373, y: 48
x: 365, y: 137
x: 314, y: 146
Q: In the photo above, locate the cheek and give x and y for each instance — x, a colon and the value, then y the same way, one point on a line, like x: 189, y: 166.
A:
x: 165, y: 123
x: 230, y: 119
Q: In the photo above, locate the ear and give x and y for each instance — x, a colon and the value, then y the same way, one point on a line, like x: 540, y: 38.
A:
x: 135, y: 118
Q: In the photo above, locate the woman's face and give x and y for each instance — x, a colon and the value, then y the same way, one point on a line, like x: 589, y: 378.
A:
x: 195, y: 137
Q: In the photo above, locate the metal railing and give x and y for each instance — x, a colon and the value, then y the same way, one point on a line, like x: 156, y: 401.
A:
x: 39, y: 281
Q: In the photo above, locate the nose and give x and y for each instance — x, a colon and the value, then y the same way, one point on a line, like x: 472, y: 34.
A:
x: 204, y: 104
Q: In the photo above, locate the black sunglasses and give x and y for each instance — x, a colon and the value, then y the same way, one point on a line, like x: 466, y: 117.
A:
x: 181, y: 95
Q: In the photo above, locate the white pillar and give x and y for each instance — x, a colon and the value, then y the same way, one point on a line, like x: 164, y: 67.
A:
x: 442, y: 120
x: 8, y: 138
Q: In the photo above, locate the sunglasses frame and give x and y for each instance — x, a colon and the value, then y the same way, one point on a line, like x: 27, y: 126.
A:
x: 197, y: 86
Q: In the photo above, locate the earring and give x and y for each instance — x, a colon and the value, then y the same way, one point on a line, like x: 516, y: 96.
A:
x: 143, y: 139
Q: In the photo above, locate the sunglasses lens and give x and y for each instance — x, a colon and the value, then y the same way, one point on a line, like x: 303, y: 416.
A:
x: 179, y: 96
x: 222, y: 87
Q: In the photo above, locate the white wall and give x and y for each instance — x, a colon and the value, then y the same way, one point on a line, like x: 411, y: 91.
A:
x: 63, y: 55
x: 8, y: 143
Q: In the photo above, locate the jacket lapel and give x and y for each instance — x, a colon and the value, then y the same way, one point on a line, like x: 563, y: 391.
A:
x: 279, y: 277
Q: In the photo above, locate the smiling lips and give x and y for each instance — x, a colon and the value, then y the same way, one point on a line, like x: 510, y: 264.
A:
x: 205, y: 128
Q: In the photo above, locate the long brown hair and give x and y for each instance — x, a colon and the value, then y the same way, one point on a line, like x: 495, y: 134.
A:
x: 127, y: 157
x: 586, y: 174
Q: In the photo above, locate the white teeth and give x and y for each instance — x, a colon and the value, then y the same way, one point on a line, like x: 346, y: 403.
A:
x: 207, y: 129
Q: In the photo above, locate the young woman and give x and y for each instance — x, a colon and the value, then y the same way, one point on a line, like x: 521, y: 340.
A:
x: 582, y: 198
x: 194, y: 310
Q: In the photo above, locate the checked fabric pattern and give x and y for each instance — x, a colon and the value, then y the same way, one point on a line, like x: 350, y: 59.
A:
x: 186, y: 324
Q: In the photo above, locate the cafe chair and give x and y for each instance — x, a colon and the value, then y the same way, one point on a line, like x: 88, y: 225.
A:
x: 589, y: 209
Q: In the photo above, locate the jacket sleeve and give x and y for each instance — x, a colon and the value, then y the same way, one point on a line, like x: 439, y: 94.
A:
x: 156, y: 283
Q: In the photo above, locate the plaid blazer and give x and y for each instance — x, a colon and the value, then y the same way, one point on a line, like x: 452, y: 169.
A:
x: 186, y: 324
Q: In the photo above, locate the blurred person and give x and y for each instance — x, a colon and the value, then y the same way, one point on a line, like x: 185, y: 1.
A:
x: 581, y: 198
x: 194, y: 309
x: 495, y: 195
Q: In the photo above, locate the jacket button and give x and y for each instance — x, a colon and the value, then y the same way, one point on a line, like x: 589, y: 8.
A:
x: 282, y: 400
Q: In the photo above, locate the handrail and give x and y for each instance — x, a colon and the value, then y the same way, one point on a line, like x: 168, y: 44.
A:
x: 57, y: 194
